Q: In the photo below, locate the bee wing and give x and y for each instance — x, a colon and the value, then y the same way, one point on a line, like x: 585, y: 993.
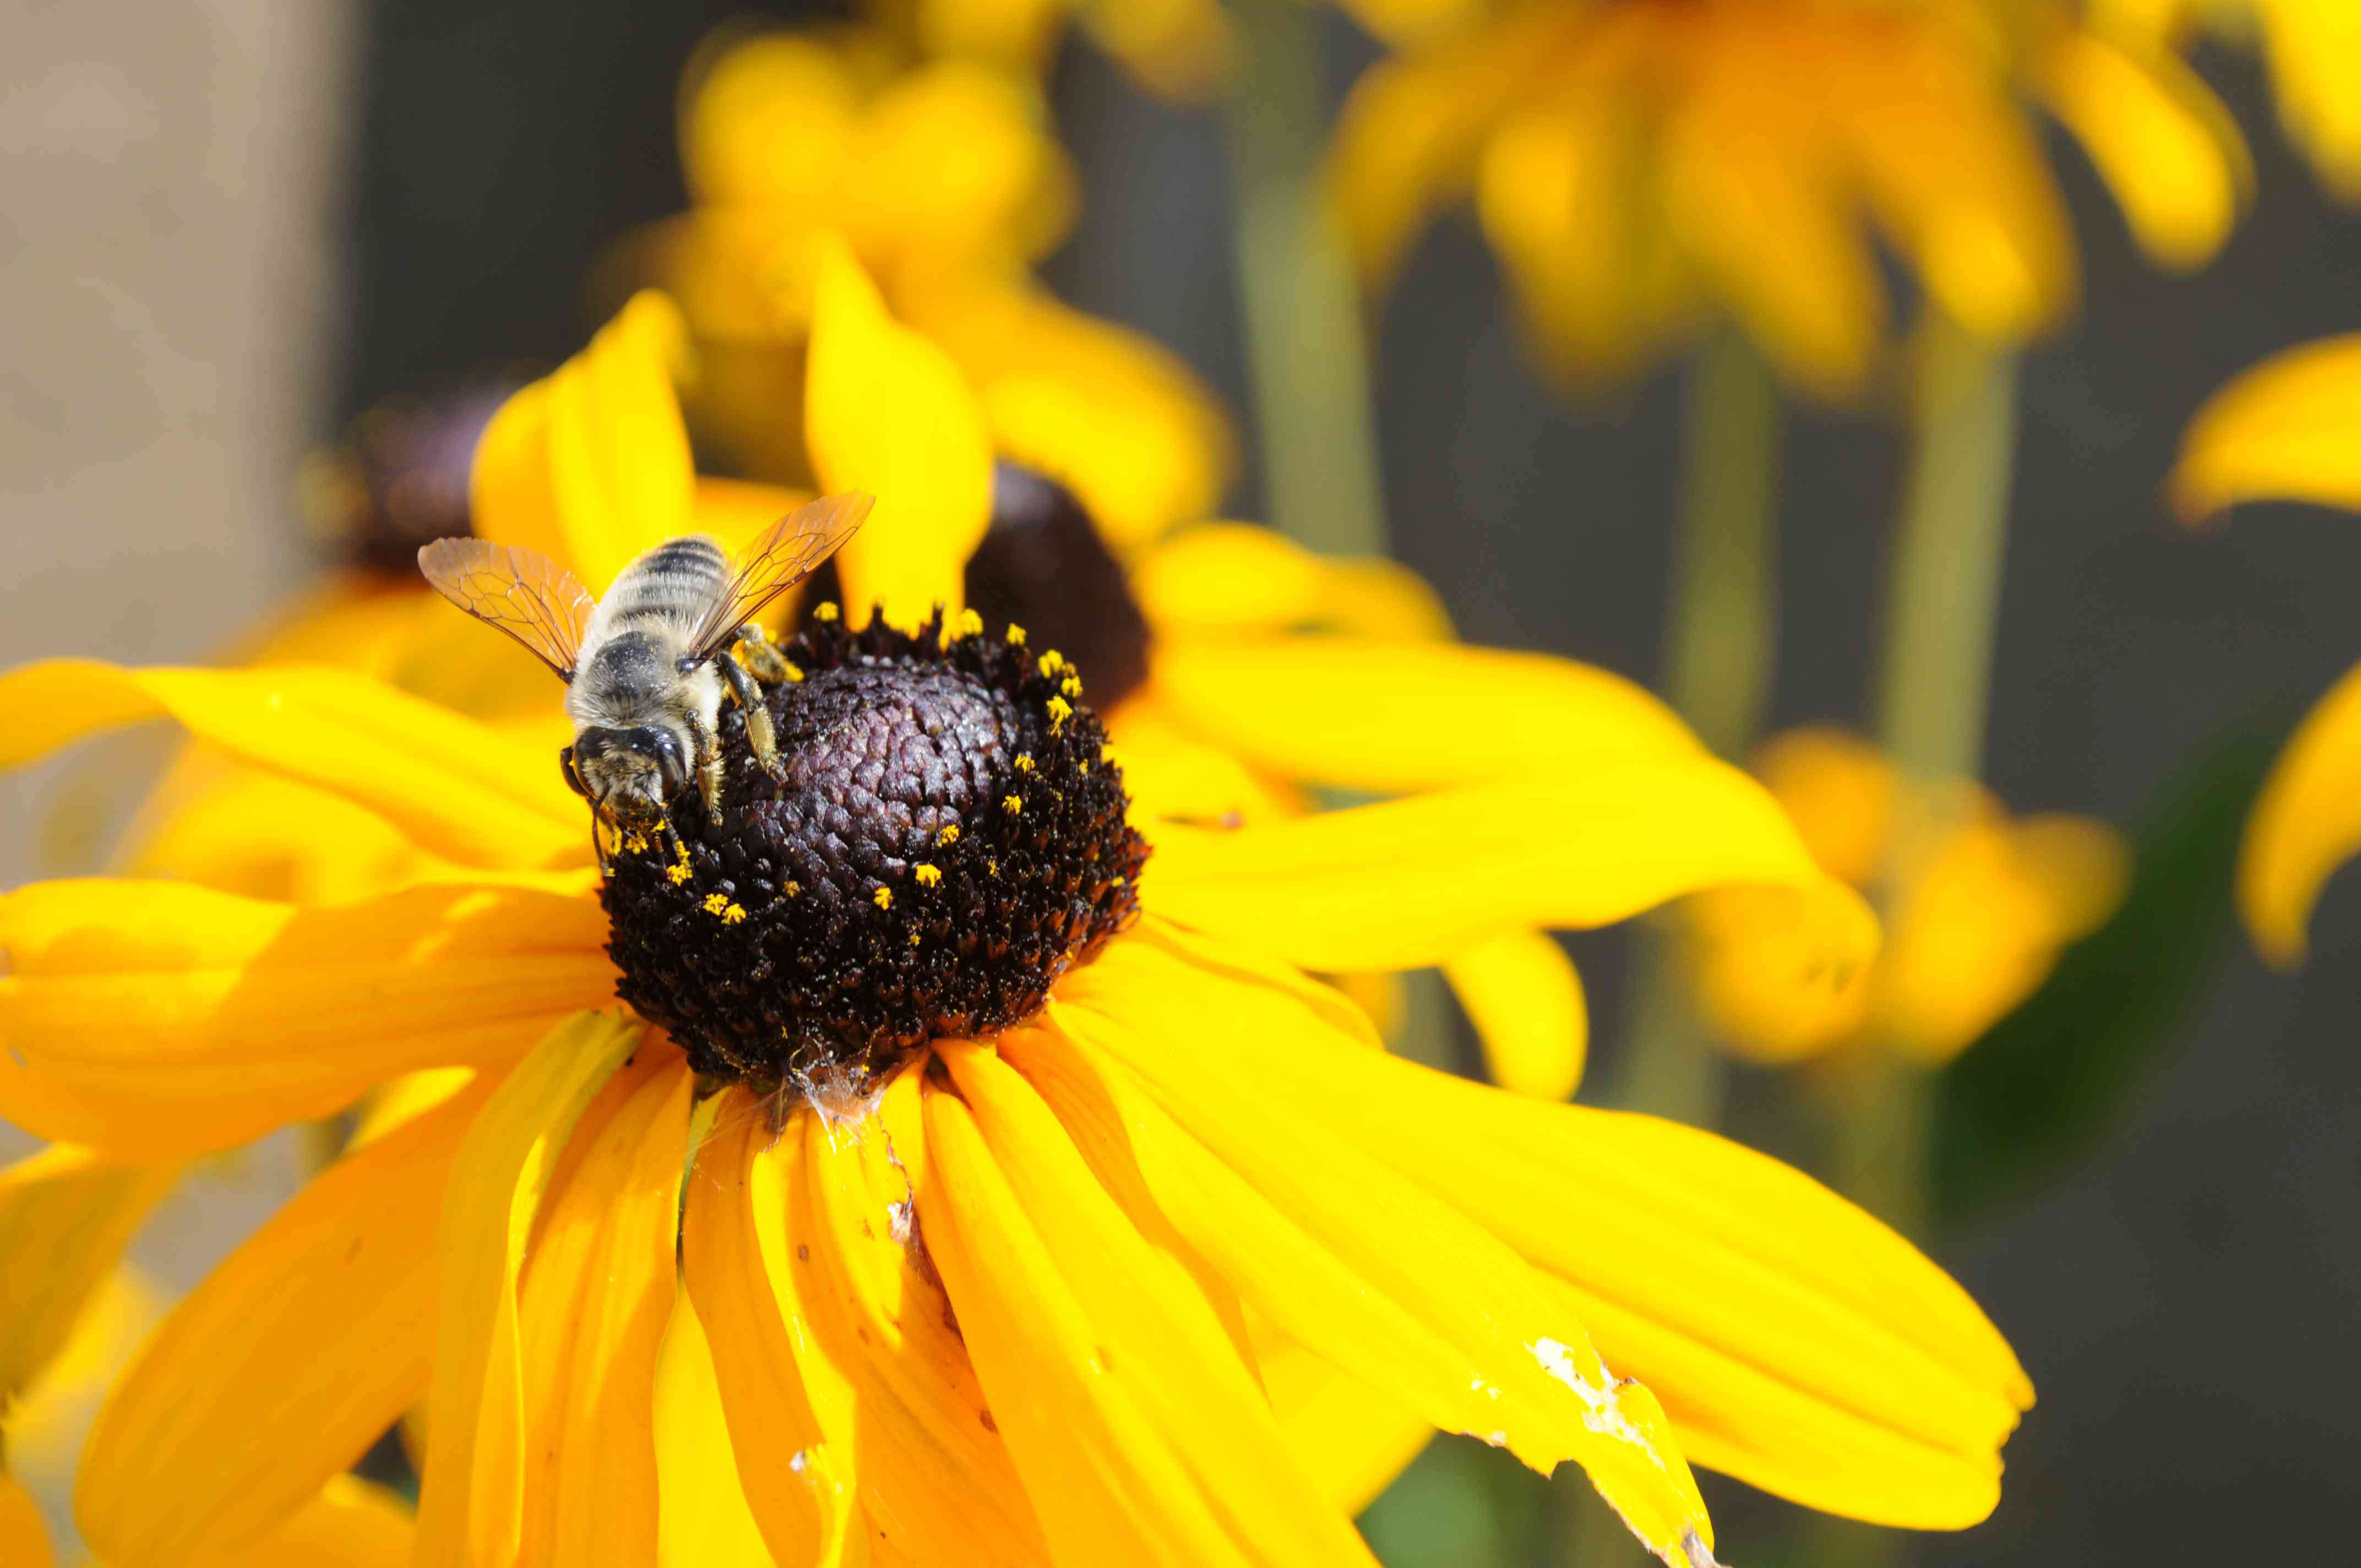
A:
x: 523, y: 592
x: 789, y: 551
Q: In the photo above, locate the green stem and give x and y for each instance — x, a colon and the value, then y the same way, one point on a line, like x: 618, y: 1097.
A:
x: 1940, y: 620
x: 1719, y: 649
x: 1304, y: 338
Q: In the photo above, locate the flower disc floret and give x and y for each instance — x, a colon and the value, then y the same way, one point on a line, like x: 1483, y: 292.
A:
x: 881, y: 892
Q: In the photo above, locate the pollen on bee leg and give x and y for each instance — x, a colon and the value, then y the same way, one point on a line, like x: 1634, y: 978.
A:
x: 637, y: 843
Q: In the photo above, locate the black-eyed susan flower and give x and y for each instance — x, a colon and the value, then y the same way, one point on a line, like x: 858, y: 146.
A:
x: 2314, y: 49
x: 2287, y: 429
x: 1636, y: 162
x: 1180, y: 48
x: 947, y: 183
x: 983, y: 1221
x: 1978, y: 905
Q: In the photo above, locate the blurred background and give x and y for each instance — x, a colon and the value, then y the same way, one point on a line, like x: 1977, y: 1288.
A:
x: 232, y: 228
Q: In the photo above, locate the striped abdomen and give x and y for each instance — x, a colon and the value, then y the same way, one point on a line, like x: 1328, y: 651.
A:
x: 675, y: 582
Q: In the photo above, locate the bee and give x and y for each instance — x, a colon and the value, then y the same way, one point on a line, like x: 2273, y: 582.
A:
x: 646, y: 667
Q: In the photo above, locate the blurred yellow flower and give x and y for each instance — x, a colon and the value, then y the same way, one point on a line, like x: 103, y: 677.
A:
x: 1180, y: 48
x: 1978, y: 903
x: 2290, y: 429
x: 2314, y: 49
x: 947, y: 183
x: 1188, y: 1161
x: 1636, y: 162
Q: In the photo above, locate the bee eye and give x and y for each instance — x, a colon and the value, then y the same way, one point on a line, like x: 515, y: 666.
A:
x: 573, y: 779
x: 670, y: 762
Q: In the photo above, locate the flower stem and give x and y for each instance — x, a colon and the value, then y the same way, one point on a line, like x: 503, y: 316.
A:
x: 1720, y: 648
x: 1305, y: 350
x: 1941, y: 616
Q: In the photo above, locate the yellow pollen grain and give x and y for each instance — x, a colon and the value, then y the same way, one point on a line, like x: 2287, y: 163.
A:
x: 824, y: 610
x: 914, y: 938
x: 1051, y: 663
x: 950, y: 834
x: 967, y: 624
x: 1085, y: 768
x: 734, y: 914
x: 795, y: 672
x: 1024, y: 764
x: 794, y: 888
x: 715, y: 903
x: 679, y: 874
x: 1072, y: 686
x: 1011, y: 804
x: 928, y: 875
x: 883, y: 898
x: 1015, y: 635
x: 637, y: 844
x: 1061, y: 710
x: 991, y: 868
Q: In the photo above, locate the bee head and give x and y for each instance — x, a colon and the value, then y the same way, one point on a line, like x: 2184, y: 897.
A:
x: 629, y: 774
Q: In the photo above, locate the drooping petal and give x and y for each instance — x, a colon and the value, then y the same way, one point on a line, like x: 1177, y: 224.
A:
x: 2305, y: 824
x: 1085, y: 1407
x: 2167, y: 148
x: 703, y: 1517
x: 2315, y: 53
x: 1345, y: 1255
x: 471, y: 1502
x: 1694, y: 1252
x: 23, y: 1538
x: 1169, y: 774
x: 156, y: 1018
x: 590, y: 466
x: 456, y: 787
x: 797, y: 1484
x: 597, y: 1294
x: 1410, y: 882
x: 66, y: 1214
x: 2281, y: 429
x: 1524, y: 996
x: 282, y: 1368
x: 888, y: 412
x: 936, y: 1478
x: 1390, y: 716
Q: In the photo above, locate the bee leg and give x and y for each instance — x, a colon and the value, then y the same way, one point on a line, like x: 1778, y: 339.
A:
x: 708, y: 766
x: 598, y: 847
x: 761, y: 739
x: 761, y: 656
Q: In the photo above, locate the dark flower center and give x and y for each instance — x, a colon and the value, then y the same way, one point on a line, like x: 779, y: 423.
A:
x: 1042, y: 565
x: 944, y: 841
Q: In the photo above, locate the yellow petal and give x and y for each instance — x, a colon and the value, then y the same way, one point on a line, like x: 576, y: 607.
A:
x: 471, y: 1503
x: 155, y: 1018
x: 1234, y: 577
x: 2315, y: 54
x: 936, y: 1478
x: 798, y: 1489
x: 736, y: 512
x: 1841, y: 792
x: 702, y: 1520
x: 1955, y: 173
x: 1351, y: 1441
x: 1407, y: 882
x: 953, y: 164
x: 2167, y: 148
x: 1523, y: 997
x: 1749, y: 189
x: 768, y: 120
x: 1391, y: 716
x: 2305, y: 824
x: 262, y: 836
x: 1086, y: 1409
x: 282, y: 1368
x: 1343, y: 1254
x: 2282, y: 430
x: 352, y: 1523
x: 66, y: 1214
x: 590, y: 466
x: 23, y: 1539
x: 1016, y: 35
x: 596, y: 1298
x: 889, y: 412
x: 1855, y: 1343
x: 1181, y: 49
x: 1169, y: 774
x: 1109, y: 413
x: 455, y: 786
x: 1408, y: 23
x: 1409, y: 135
